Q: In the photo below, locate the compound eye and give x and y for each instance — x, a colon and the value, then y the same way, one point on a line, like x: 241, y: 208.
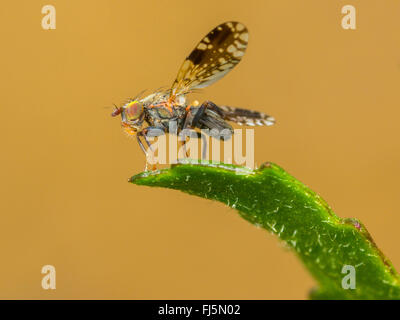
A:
x: 133, y: 110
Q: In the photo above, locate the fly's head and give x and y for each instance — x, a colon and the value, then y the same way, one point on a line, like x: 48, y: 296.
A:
x: 131, y: 116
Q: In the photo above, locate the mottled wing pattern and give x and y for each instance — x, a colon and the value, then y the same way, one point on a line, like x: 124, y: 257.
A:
x: 215, y: 55
x: 246, y: 117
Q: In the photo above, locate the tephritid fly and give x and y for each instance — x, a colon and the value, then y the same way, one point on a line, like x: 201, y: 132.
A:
x: 216, y: 54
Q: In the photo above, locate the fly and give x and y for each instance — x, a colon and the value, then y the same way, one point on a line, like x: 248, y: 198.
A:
x: 214, y: 56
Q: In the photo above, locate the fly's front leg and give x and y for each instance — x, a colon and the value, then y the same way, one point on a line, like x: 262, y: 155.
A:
x: 138, y: 136
x: 148, y: 132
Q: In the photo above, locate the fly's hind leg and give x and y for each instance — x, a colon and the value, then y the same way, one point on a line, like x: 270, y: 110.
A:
x: 197, y: 135
x: 206, y: 105
x: 207, y: 116
x: 210, y: 116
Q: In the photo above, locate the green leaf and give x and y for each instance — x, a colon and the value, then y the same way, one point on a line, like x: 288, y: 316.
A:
x: 271, y: 198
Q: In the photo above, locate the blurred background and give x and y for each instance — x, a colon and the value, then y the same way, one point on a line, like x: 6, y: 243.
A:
x: 65, y: 200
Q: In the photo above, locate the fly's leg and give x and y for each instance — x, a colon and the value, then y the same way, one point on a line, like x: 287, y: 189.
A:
x: 200, y: 112
x: 206, y: 105
x: 152, y: 132
x: 203, y: 137
x: 186, y: 154
x: 208, y: 116
x: 212, y: 117
x: 194, y: 134
x: 138, y: 136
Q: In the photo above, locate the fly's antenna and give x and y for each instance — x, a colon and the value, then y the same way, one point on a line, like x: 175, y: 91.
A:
x: 117, y: 111
x: 113, y: 106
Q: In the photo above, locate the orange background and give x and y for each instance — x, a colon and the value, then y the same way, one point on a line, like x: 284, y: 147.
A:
x: 65, y: 199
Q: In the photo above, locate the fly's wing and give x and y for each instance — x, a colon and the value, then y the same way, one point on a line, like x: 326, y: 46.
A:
x: 215, y: 55
x: 245, y: 117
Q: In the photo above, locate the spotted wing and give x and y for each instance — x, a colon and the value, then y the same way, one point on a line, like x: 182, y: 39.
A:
x: 246, y: 117
x: 215, y: 55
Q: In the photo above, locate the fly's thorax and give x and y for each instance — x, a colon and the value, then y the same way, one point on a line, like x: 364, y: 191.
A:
x: 156, y: 109
x: 160, y: 113
x: 162, y: 116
